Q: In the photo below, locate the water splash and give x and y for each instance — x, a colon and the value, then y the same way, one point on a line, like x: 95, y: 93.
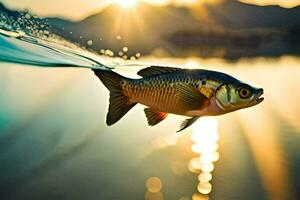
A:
x: 28, y: 39
x: 18, y: 47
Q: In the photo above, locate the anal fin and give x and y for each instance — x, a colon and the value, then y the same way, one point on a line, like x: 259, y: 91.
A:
x: 154, y: 117
x: 188, y: 122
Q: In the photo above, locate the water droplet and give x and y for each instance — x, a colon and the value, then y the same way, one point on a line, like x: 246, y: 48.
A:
x: 90, y: 42
x: 120, y: 53
x: 125, y: 49
x: 109, y: 53
x: 27, y: 16
x: 137, y: 55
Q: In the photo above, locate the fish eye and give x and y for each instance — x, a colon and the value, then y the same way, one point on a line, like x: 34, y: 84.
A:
x: 245, y: 92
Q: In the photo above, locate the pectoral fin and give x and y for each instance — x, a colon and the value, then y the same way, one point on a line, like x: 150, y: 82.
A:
x: 188, y: 122
x: 154, y: 117
x: 191, y: 97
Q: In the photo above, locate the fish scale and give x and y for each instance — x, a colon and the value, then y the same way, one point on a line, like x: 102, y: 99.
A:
x: 161, y: 89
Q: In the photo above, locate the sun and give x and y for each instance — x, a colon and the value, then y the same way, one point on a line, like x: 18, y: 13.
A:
x: 127, y: 3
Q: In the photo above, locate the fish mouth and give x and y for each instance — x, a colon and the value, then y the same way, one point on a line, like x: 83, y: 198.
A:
x: 260, y: 99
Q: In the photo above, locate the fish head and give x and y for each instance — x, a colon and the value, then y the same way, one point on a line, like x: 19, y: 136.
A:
x: 235, y: 96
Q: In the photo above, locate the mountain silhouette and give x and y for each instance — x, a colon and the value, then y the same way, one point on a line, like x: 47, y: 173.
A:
x: 233, y: 27
x: 234, y: 14
x: 145, y: 26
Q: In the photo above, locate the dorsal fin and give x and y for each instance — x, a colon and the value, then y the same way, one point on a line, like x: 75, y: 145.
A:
x: 155, y: 70
x: 154, y: 117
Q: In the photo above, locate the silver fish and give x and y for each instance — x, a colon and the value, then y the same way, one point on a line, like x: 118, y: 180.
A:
x: 187, y: 92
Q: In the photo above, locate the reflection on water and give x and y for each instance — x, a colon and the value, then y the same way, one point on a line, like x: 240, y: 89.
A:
x: 54, y: 142
x: 48, y: 123
x: 205, y: 137
x: 154, y: 186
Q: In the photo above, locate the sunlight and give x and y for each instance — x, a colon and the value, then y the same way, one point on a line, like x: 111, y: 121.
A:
x: 159, y: 2
x: 127, y: 3
x: 205, y: 137
x: 186, y: 2
x: 263, y: 139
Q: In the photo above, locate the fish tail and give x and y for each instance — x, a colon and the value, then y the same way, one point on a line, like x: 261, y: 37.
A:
x: 119, y: 104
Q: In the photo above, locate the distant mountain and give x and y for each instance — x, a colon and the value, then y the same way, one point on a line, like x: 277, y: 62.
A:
x: 142, y: 29
x: 231, y: 26
x: 234, y: 14
x: 230, y: 29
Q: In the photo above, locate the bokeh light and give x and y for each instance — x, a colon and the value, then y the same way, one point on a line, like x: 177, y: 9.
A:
x: 205, y: 137
x: 204, y: 188
x: 198, y: 196
x: 154, y: 184
x: 154, y: 196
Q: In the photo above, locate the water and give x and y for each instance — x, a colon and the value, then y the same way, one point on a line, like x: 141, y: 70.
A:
x: 17, y: 47
x: 54, y: 143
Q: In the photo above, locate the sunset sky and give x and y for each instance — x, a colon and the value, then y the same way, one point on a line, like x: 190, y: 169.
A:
x: 77, y: 9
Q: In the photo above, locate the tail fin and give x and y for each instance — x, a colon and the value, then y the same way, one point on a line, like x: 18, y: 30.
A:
x: 119, y: 104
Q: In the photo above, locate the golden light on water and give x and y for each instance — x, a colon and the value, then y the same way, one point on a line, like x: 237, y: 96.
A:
x: 154, y: 196
x: 204, y: 188
x: 162, y: 142
x: 266, y: 151
x: 198, y: 196
x: 184, y: 198
x: 154, y: 186
x: 205, y: 137
x: 205, y: 177
x: 159, y: 2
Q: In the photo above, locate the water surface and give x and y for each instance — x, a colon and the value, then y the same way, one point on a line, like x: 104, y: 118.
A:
x: 54, y: 143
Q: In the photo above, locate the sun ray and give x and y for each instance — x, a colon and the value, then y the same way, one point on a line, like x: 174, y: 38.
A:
x: 127, y: 3
x: 266, y: 150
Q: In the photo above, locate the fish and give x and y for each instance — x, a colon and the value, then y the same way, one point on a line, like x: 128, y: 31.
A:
x: 193, y: 93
